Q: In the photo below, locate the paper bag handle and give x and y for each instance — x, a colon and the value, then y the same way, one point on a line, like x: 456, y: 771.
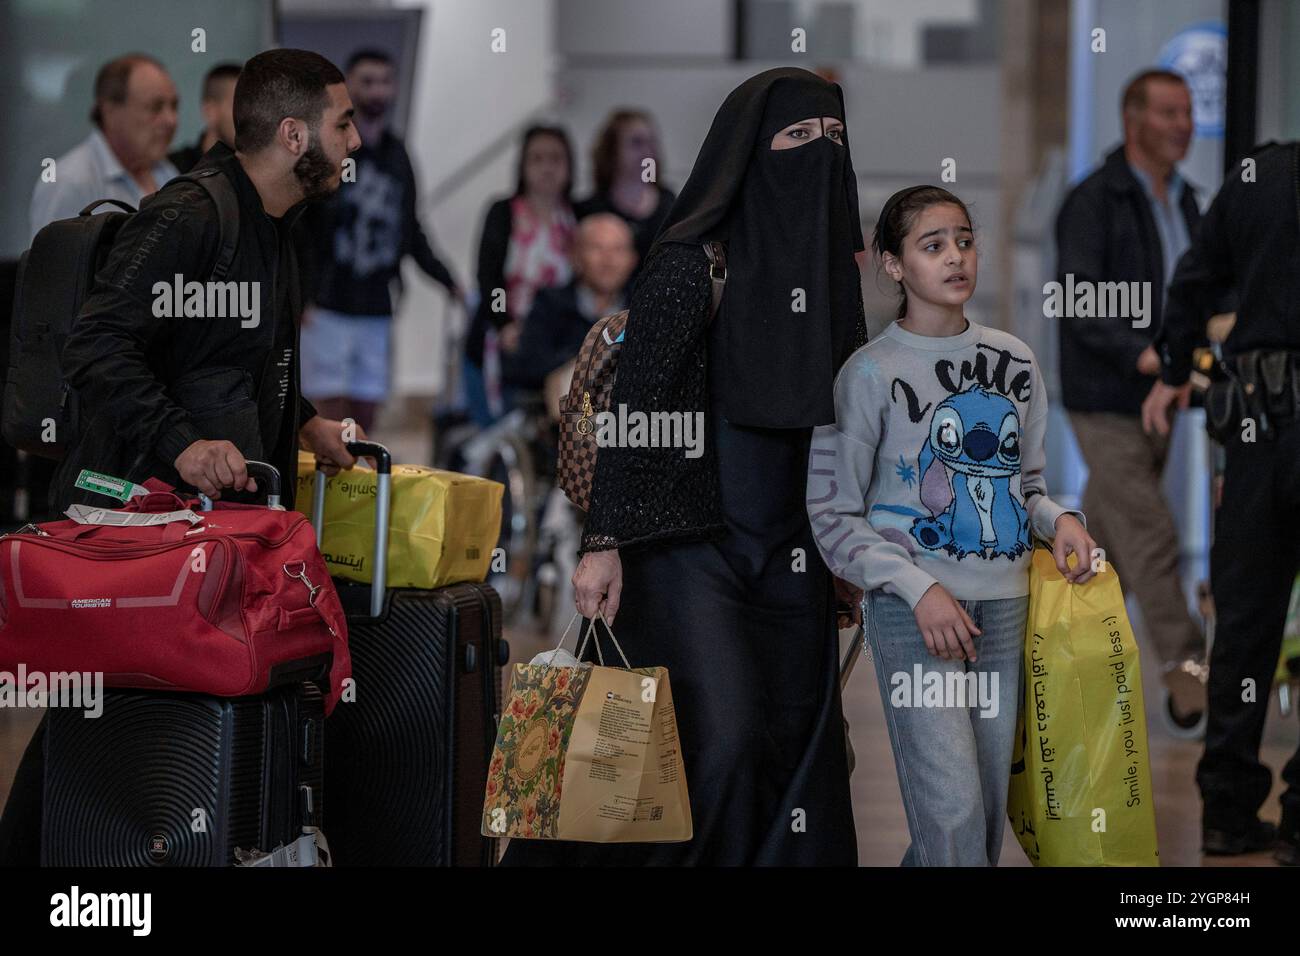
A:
x: 590, y: 630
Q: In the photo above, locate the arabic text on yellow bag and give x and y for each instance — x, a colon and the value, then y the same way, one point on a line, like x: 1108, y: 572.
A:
x: 1081, y: 775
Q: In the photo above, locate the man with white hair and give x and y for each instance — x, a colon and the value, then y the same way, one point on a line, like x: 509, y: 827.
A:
x: 125, y: 155
x: 604, y: 255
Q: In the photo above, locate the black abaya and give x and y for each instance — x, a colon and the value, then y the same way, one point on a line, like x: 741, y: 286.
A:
x: 751, y: 648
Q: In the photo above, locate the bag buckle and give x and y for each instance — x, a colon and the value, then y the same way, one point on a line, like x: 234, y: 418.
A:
x: 300, y: 574
x: 717, y: 261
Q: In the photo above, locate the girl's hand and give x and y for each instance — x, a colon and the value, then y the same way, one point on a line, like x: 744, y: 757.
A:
x: 1073, y: 538
x: 945, y: 625
x: 598, y: 584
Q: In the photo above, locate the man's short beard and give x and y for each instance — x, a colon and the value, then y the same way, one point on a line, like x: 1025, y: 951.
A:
x: 314, y: 172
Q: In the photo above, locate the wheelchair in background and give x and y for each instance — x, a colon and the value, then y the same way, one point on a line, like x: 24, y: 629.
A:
x: 540, y: 528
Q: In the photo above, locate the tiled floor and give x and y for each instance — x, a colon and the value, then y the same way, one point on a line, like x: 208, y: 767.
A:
x: 878, y: 809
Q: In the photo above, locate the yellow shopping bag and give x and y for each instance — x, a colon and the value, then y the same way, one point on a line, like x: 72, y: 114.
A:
x: 442, y: 528
x: 1081, y: 775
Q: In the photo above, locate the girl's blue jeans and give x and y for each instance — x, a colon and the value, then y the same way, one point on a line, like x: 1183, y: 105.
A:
x: 951, y: 726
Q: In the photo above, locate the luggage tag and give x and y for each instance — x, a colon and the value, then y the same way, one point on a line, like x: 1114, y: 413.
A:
x: 88, y: 514
x: 102, y: 484
x: 310, y: 849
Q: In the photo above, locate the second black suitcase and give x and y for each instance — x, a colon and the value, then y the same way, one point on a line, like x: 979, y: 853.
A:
x: 408, y: 757
x: 169, y: 779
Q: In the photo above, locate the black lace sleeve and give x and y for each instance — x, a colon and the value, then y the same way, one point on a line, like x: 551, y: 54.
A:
x: 640, y: 494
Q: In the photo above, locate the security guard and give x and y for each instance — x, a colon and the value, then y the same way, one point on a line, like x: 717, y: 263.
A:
x: 1249, y: 240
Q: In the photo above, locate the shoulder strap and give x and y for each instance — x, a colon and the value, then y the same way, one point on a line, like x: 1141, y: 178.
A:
x: 218, y: 188
x: 717, y: 254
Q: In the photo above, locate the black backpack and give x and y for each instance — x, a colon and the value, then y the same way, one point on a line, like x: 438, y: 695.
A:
x: 55, y: 276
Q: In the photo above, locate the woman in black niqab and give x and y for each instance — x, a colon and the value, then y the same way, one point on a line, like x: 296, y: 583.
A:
x: 743, y: 616
x: 789, y: 219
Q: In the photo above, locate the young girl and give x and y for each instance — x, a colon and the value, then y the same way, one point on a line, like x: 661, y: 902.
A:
x: 924, y: 493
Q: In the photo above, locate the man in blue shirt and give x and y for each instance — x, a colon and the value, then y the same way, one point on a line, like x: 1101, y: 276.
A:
x: 125, y: 155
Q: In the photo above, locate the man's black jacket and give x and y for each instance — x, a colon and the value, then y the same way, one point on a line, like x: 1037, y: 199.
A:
x: 1105, y: 232
x: 1249, y: 244
x: 150, y: 385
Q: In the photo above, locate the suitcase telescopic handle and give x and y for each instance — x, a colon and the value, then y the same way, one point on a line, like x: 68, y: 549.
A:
x: 383, y: 502
x: 268, y: 479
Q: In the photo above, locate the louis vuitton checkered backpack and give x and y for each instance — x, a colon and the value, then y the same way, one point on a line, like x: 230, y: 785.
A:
x: 593, y: 383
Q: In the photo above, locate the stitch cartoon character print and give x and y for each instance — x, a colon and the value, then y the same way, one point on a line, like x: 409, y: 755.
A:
x: 965, y: 468
x: 968, y: 465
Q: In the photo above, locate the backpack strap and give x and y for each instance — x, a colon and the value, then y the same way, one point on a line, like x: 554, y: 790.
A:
x: 717, y: 254
x: 218, y: 189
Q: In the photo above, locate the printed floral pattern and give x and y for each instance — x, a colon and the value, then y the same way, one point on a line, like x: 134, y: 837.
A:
x: 527, y: 768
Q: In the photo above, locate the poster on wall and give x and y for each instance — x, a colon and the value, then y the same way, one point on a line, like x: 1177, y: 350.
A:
x: 1200, y: 53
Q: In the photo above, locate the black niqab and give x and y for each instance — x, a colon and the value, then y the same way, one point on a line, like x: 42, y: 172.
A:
x: 790, y: 222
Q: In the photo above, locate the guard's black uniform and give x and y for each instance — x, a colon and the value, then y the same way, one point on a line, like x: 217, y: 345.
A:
x: 1250, y: 240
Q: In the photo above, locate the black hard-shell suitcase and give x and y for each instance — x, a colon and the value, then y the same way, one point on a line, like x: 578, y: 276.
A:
x: 170, y: 779
x: 408, y: 757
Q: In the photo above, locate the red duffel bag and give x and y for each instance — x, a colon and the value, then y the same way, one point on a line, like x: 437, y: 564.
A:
x: 226, y: 602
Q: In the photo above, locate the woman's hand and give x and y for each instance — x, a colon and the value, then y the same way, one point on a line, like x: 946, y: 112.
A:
x: 598, y: 584
x: 947, y: 628
x: 1073, y: 538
